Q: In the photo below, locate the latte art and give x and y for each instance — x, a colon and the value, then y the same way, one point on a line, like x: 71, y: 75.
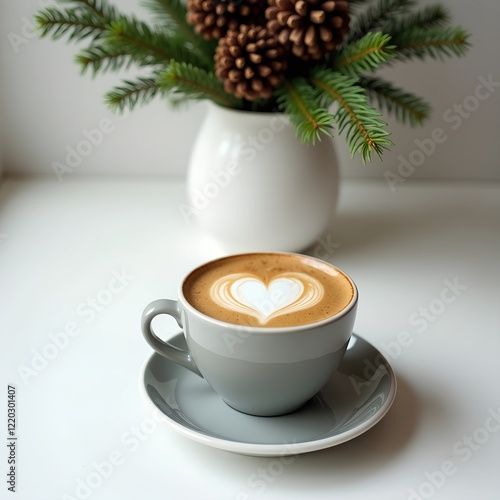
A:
x: 268, y: 290
x: 286, y: 293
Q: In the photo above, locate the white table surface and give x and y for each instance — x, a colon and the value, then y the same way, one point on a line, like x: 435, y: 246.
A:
x: 61, y: 246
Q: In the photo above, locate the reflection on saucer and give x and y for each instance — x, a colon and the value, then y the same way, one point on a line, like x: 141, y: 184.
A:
x: 357, y: 396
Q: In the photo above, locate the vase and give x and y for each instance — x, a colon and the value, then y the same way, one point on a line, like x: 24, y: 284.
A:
x: 253, y: 186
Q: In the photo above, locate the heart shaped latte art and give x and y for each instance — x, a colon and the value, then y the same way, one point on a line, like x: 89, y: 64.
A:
x: 285, y: 293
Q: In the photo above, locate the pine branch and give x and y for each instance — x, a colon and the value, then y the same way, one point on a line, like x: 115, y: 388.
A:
x: 365, y: 54
x: 185, y: 81
x: 99, y: 8
x: 436, y: 43
x: 300, y: 102
x: 428, y: 17
x: 101, y: 58
x: 405, y: 106
x: 130, y: 40
x: 171, y: 12
x: 76, y: 23
x: 355, y: 3
x: 365, y: 130
x: 132, y: 93
x: 147, y: 46
x: 374, y: 16
x: 173, y: 15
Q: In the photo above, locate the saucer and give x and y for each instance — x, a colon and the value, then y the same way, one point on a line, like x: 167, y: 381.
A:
x: 356, y: 398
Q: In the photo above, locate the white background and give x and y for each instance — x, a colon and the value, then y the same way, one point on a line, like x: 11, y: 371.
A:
x: 45, y: 105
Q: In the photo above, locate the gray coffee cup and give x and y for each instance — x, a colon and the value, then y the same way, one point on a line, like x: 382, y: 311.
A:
x: 256, y: 370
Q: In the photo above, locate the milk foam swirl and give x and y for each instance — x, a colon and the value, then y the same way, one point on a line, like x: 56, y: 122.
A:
x: 286, y: 293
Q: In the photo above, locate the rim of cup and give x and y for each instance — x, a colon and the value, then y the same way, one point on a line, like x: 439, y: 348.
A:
x: 263, y: 329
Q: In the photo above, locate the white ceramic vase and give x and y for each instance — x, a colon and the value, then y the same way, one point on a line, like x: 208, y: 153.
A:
x: 252, y: 185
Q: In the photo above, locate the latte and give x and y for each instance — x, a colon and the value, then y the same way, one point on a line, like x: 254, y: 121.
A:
x: 268, y: 290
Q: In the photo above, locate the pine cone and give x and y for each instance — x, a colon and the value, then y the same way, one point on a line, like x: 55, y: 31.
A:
x: 312, y: 28
x: 250, y: 62
x: 213, y: 18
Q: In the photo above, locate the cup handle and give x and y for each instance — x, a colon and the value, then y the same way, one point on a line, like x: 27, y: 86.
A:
x: 169, y: 351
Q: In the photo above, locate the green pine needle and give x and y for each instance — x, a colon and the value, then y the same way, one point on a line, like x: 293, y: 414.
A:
x: 365, y: 54
x: 184, y: 81
x: 300, y: 102
x: 102, y: 58
x: 428, y: 17
x: 375, y: 16
x: 365, y: 131
x: 355, y: 3
x: 435, y: 42
x: 132, y: 93
x: 406, y: 107
x: 128, y: 40
x: 151, y: 46
x: 99, y: 8
x: 76, y: 23
x: 139, y: 40
x: 382, y: 31
x: 172, y: 14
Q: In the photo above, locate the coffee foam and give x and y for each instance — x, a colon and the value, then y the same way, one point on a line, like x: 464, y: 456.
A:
x: 286, y: 293
x: 268, y: 290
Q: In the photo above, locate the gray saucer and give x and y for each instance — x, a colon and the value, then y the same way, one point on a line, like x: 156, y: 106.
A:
x: 357, y: 397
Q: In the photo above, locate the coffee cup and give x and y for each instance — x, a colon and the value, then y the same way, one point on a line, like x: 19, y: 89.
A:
x: 266, y: 330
